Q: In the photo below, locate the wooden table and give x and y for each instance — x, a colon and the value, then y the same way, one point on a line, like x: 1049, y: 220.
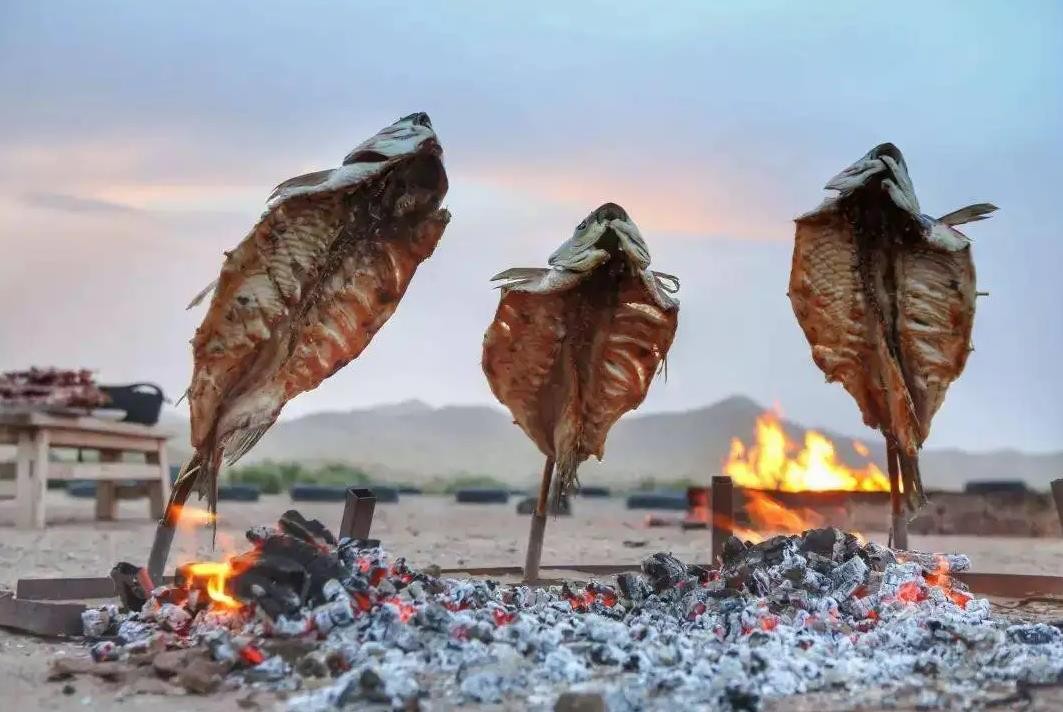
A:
x: 34, y: 433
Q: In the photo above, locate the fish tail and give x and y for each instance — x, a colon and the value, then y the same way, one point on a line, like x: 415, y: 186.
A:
x: 912, y: 482
x: 567, y: 476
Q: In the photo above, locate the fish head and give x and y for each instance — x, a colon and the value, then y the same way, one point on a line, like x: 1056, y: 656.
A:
x: 608, y: 231
x: 400, y: 168
x: 409, y: 135
x: 884, y: 168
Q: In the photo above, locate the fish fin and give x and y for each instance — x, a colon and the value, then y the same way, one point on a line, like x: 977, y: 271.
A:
x: 971, y: 213
x: 198, y: 299
x: 518, y: 275
x: 667, y: 282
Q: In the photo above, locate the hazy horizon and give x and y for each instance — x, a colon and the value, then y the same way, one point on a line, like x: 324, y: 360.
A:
x: 141, y: 140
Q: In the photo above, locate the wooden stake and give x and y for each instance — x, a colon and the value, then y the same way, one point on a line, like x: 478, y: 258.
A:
x: 722, y: 513
x: 1057, y: 494
x: 898, y: 522
x: 538, y: 525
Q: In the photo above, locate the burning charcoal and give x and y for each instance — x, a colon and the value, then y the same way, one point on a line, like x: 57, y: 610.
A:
x: 131, y: 584
x: 313, y: 664
x: 309, y: 530
x: 220, y: 644
x: 285, y: 627
x: 819, y: 563
x: 337, y: 613
x: 897, y: 575
x: 333, y: 590
x: 663, y: 571
x: 633, y: 587
x: 1035, y: 634
x: 130, y: 631
x: 105, y: 650
x: 769, y: 552
x: 172, y: 618
x: 848, y: 577
x: 95, y: 622
x: 258, y: 535
x: 879, y: 556
x: 937, y: 563
x: 286, y: 556
x: 734, y: 550
x: 416, y: 591
x: 269, y: 670
x: 828, y: 543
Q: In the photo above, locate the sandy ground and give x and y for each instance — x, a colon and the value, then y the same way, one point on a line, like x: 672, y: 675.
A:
x: 427, y: 530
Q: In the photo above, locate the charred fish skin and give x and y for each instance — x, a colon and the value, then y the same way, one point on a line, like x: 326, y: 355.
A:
x: 574, y: 346
x: 885, y: 296
x: 310, y: 285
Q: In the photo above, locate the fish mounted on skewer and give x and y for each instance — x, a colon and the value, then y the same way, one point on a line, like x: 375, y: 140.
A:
x: 575, y: 346
x: 305, y: 292
x: 886, y: 297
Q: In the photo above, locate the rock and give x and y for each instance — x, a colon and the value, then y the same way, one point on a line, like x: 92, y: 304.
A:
x: 65, y: 668
x: 580, y: 702
x: 202, y: 675
x: 171, y: 662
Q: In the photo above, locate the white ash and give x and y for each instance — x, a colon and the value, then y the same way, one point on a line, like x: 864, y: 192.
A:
x: 791, y: 615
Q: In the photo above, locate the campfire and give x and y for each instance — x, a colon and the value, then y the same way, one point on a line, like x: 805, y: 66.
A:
x: 329, y: 623
x: 775, y: 462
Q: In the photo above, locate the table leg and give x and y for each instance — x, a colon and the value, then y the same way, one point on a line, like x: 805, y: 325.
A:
x: 107, y: 490
x: 159, y: 490
x: 31, y: 477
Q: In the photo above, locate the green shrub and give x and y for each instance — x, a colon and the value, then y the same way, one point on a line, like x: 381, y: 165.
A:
x: 276, y: 477
x: 463, y: 480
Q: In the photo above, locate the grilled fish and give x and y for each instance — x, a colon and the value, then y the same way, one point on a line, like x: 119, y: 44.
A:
x: 574, y: 346
x: 886, y: 298
x: 305, y: 292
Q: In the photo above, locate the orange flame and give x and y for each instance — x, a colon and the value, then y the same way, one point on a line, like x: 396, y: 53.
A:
x: 776, y: 462
x: 192, y: 516
x: 216, y: 574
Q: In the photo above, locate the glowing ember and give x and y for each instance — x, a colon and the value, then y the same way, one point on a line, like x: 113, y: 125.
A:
x: 214, y: 574
x: 941, y: 578
x: 776, y: 462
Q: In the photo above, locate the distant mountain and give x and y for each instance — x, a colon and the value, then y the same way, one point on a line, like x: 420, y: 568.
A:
x: 414, y: 442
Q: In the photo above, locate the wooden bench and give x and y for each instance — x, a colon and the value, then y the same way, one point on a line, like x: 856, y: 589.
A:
x: 35, y: 433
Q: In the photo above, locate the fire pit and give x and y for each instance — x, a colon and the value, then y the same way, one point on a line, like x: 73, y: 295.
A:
x: 326, y: 623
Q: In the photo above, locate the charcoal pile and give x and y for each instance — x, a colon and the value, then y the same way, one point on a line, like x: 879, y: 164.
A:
x: 327, y: 624
x: 50, y: 387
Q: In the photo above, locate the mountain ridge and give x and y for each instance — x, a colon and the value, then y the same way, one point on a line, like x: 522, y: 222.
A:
x: 415, y: 442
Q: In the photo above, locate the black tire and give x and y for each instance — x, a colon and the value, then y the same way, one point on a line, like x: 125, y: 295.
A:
x: 482, y: 495
x: 238, y: 493
x: 671, y: 501
x: 996, y: 487
x: 317, y: 493
x: 384, y: 494
x: 592, y: 491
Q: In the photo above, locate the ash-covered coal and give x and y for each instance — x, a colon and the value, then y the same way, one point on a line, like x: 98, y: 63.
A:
x: 333, y: 624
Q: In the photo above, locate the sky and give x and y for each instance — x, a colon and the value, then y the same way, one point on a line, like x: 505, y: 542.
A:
x: 140, y: 140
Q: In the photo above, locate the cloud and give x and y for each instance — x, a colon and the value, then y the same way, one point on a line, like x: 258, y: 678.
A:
x: 76, y: 204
